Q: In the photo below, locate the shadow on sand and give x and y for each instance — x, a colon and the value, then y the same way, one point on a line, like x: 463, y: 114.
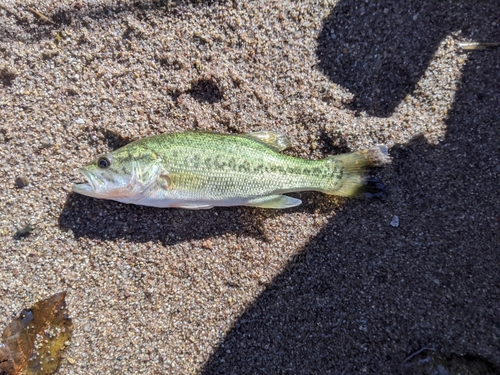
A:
x: 109, y: 220
x: 363, y: 295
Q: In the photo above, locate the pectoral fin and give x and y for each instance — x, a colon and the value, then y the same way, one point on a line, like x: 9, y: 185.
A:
x: 187, y: 181
x: 163, y: 180
x: 274, y: 201
x: 275, y: 140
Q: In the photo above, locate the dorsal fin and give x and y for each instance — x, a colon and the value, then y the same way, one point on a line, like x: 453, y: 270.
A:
x: 275, y: 140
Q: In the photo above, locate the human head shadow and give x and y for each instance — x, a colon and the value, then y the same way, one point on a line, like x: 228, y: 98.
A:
x: 406, y: 34
x: 362, y: 295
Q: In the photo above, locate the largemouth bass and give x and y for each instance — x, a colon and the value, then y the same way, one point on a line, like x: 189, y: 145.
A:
x: 199, y: 170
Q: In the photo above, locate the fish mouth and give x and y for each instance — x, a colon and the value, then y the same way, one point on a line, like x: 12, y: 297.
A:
x: 87, y: 188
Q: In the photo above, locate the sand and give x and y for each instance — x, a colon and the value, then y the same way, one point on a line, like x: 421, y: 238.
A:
x: 331, y: 287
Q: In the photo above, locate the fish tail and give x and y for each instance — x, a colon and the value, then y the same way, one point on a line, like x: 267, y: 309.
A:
x: 350, y: 179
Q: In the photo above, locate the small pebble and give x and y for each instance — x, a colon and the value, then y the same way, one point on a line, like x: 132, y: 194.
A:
x: 207, y: 244
x: 395, y: 221
x: 22, y: 182
x: 425, y: 360
x: 24, y: 232
x: 442, y: 371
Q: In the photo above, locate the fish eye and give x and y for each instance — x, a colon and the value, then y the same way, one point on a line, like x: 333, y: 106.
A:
x: 103, y: 162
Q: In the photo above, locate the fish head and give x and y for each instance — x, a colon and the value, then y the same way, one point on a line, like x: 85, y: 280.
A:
x: 122, y: 174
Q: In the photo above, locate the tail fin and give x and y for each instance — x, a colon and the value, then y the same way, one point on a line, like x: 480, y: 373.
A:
x: 354, y: 165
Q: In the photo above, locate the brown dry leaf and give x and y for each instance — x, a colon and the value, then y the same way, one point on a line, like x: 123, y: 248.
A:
x: 32, y: 342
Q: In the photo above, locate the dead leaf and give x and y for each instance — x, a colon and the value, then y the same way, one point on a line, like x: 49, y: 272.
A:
x: 32, y: 342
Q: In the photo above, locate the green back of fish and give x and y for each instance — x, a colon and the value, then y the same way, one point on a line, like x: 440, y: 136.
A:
x: 203, y: 165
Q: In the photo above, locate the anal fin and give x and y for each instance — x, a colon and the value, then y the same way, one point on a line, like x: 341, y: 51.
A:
x: 274, y: 201
x: 192, y: 206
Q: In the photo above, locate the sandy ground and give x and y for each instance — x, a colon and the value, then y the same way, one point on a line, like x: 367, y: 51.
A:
x: 330, y: 287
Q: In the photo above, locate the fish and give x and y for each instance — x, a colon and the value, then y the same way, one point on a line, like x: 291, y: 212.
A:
x: 201, y: 170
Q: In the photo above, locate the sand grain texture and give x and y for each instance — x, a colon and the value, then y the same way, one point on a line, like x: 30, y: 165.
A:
x: 329, y: 287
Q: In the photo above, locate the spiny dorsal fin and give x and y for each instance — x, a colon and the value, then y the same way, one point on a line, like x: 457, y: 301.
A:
x: 275, y: 140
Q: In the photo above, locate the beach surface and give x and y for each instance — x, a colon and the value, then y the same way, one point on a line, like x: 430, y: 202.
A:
x: 404, y: 284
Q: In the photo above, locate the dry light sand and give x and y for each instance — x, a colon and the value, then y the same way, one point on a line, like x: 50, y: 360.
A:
x: 330, y: 287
